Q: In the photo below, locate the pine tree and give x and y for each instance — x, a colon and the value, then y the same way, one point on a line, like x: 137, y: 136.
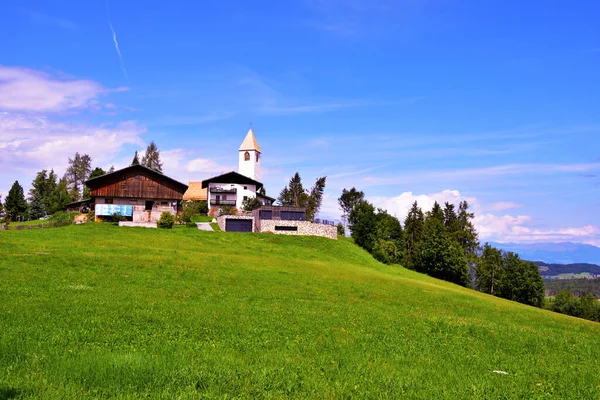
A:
x: 315, y: 198
x: 15, y: 204
x: 152, y: 158
x: 61, y: 196
x: 488, y: 273
x: 136, y: 159
x: 49, y: 200
x: 293, y: 195
x: 413, y: 231
x: 466, y: 235
x: 94, y: 174
x: 36, y: 209
x: 77, y: 173
x: 440, y: 256
x: 347, y: 201
x: 362, y: 225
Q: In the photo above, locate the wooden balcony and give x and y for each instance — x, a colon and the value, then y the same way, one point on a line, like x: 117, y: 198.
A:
x: 215, y: 202
x: 223, y: 190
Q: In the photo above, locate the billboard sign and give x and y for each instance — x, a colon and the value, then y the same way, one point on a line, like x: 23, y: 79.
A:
x: 110, y: 209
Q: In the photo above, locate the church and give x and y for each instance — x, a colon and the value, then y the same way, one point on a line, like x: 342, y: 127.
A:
x: 232, y: 188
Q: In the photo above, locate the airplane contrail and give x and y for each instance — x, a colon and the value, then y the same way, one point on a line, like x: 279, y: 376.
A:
x: 114, y: 35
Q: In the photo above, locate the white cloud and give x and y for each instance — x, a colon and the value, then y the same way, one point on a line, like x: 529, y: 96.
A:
x: 491, y: 227
x: 27, y: 90
x: 29, y: 143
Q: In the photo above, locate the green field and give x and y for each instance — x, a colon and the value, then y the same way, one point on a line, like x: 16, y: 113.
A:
x: 101, y: 311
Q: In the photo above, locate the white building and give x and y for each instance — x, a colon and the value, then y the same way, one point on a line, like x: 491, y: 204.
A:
x: 232, y: 188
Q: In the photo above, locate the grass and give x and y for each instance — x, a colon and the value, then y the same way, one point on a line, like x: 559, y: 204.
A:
x: 101, y: 311
x: 215, y: 227
x: 202, y: 218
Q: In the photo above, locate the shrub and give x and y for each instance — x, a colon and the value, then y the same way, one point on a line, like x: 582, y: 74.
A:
x: 340, y: 230
x: 166, y: 220
x: 250, y: 204
x: 228, y: 210
x: 116, y: 217
x: 62, y: 218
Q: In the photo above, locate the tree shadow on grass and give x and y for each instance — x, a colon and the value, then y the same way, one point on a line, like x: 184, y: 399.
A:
x: 7, y: 393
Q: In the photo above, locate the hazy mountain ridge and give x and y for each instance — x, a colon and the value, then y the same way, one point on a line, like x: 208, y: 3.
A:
x: 554, y: 253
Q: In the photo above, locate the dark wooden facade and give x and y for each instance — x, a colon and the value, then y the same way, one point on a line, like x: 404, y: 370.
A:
x: 136, y: 182
x: 280, y: 213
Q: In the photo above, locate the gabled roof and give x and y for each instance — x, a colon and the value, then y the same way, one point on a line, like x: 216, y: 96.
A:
x: 195, y: 192
x: 232, y: 177
x: 250, y: 142
x: 100, y: 180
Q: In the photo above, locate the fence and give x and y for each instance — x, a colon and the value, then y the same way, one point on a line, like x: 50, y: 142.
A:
x: 45, y: 225
x: 324, y: 222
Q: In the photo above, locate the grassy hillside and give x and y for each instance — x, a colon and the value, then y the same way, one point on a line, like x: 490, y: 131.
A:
x: 99, y: 310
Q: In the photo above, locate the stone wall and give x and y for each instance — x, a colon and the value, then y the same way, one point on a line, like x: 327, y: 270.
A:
x: 304, y: 228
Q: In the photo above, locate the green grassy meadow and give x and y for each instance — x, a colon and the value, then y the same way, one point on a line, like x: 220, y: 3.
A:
x: 101, y: 311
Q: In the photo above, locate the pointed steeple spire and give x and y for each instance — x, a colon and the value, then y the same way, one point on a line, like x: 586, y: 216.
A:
x: 250, y: 142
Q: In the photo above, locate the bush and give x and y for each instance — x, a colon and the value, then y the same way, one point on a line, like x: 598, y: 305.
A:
x: 340, y: 229
x: 228, y: 210
x: 62, y: 218
x: 116, y: 218
x: 166, y: 220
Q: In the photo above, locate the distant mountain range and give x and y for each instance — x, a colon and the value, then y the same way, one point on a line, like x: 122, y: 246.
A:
x: 553, y: 253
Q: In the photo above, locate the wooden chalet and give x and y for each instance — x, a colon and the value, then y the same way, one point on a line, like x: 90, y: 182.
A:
x: 138, y: 193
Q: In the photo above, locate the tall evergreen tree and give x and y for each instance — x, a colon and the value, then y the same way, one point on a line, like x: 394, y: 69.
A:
x: 451, y: 219
x: 413, y: 231
x: 136, y: 159
x: 294, y: 195
x: 347, y: 201
x: 440, y: 256
x: 49, y: 200
x: 77, y: 173
x: 15, y: 204
x: 1, y: 205
x: 61, y: 196
x: 362, y: 224
x: 37, y: 209
x: 111, y: 169
x: 151, y: 158
x: 315, y: 198
x: 467, y: 234
x: 96, y: 172
x: 488, y: 273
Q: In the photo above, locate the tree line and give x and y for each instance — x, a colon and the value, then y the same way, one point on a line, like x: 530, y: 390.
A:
x: 49, y: 193
x: 442, y: 243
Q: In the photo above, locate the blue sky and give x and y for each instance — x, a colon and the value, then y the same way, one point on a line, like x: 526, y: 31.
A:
x: 495, y: 102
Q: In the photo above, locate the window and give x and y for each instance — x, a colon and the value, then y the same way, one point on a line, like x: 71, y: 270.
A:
x: 287, y: 228
x: 266, y: 214
x: 245, y: 198
x: 246, y: 156
x: 292, y: 215
x: 108, y: 201
x: 257, y: 156
x: 164, y: 203
x: 245, y: 187
x: 149, y: 205
x: 132, y: 201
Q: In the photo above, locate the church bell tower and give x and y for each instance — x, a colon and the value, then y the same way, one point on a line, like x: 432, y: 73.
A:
x: 249, y: 157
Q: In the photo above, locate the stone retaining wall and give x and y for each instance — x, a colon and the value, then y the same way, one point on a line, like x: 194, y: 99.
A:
x: 304, y: 228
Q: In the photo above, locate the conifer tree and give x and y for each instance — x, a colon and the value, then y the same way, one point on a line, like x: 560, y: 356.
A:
x: 347, y: 201
x: 136, y: 159
x: 36, y: 208
x: 488, y: 273
x: 294, y: 195
x: 413, y: 231
x: 77, y: 173
x: 440, y: 256
x: 15, y: 204
x: 151, y: 158
x: 49, y: 200
x: 94, y: 174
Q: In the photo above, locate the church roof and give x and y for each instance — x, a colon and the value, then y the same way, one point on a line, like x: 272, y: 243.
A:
x: 195, y: 192
x: 250, y: 142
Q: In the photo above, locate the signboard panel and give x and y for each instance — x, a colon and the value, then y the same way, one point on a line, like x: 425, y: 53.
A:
x: 110, y: 209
